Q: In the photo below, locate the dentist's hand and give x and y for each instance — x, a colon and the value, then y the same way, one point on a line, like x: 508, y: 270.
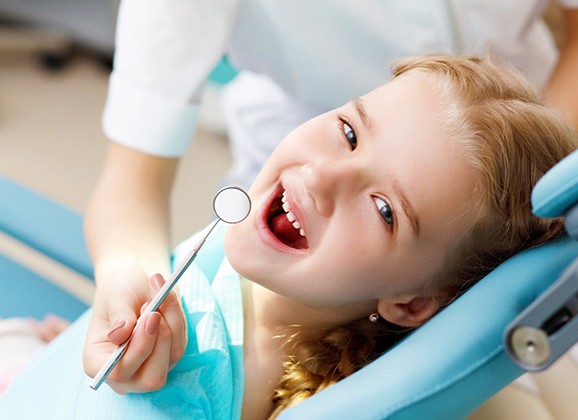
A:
x: 158, y: 342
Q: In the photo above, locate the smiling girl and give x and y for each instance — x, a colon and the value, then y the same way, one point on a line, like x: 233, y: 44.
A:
x: 365, y: 222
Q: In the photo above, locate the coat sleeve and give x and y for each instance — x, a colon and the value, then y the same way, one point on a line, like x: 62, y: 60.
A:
x: 164, y: 52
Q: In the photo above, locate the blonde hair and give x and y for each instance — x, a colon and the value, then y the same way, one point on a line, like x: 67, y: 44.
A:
x: 510, y: 138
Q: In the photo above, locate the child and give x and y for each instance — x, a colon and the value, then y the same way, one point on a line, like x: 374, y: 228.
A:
x: 21, y: 340
x: 366, y: 221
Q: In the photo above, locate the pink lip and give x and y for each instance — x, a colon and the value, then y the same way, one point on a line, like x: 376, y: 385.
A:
x: 263, y: 228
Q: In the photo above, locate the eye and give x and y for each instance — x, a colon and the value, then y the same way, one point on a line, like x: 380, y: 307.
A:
x: 384, y: 210
x: 349, y: 133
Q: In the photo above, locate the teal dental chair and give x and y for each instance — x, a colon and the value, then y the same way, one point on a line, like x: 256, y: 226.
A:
x: 51, y: 229
x: 445, y: 370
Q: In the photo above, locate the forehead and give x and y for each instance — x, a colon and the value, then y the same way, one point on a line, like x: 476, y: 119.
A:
x: 414, y: 86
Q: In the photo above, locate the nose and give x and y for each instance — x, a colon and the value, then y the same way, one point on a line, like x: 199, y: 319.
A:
x: 330, y: 182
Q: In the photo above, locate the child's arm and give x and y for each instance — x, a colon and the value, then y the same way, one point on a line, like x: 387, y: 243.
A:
x: 128, y: 238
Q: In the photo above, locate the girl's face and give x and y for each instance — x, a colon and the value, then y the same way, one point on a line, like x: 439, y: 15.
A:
x: 358, y: 204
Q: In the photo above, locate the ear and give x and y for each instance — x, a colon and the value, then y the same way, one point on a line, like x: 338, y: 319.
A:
x: 410, y: 310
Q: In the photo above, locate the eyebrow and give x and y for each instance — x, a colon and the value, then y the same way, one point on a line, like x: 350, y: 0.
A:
x: 407, y: 208
x: 363, y: 115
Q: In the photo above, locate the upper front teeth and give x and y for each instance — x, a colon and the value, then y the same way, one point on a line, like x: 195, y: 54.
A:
x: 290, y: 215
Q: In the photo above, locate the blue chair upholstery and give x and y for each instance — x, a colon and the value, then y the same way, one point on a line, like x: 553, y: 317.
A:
x: 44, y: 225
x: 557, y: 191
x: 444, y: 370
x: 51, y: 229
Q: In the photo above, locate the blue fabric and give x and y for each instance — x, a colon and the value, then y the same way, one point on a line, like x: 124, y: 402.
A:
x: 206, y: 384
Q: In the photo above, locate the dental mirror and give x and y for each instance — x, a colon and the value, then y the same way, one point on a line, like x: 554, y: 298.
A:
x: 231, y: 205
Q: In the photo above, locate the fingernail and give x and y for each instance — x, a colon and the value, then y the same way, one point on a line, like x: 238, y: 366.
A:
x: 152, y: 324
x: 116, y: 327
x: 157, y: 281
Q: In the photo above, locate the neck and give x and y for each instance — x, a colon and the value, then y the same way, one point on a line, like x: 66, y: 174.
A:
x: 267, y: 318
x: 263, y: 359
x: 273, y: 312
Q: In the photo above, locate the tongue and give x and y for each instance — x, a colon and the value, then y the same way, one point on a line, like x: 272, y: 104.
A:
x: 284, y: 230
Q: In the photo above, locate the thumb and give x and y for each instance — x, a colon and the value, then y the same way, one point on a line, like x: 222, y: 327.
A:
x: 122, y: 322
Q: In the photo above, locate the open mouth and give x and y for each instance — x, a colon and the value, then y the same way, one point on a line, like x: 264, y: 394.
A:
x: 283, y: 224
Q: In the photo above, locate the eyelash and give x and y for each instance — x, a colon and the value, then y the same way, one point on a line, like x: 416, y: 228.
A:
x: 350, y: 135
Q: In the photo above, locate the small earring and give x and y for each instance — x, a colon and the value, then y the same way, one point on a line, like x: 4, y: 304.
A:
x: 374, y: 317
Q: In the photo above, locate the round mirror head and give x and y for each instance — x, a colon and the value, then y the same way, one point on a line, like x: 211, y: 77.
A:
x: 232, y: 204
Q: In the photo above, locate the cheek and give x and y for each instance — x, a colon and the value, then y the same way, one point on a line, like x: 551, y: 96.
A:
x: 285, y: 155
x: 367, y: 265
x: 246, y: 253
x: 356, y: 261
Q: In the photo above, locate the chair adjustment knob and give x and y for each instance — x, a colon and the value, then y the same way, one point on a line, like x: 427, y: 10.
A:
x: 530, y: 346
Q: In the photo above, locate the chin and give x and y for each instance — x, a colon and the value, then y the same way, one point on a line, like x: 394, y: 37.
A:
x: 235, y: 251
x: 229, y: 241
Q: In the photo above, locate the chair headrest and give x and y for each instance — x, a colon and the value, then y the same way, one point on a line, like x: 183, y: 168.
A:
x: 557, y: 191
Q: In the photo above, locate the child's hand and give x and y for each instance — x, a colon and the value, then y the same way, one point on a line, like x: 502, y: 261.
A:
x: 156, y: 346
x: 50, y: 327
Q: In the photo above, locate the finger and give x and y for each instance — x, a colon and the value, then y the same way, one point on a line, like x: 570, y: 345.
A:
x: 117, y: 333
x: 156, y: 282
x: 152, y: 375
x: 139, y: 349
x: 97, y: 347
x: 56, y: 323
x: 50, y: 327
x: 172, y: 312
x: 143, y: 308
x: 112, y: 321
x: 122, y: 320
